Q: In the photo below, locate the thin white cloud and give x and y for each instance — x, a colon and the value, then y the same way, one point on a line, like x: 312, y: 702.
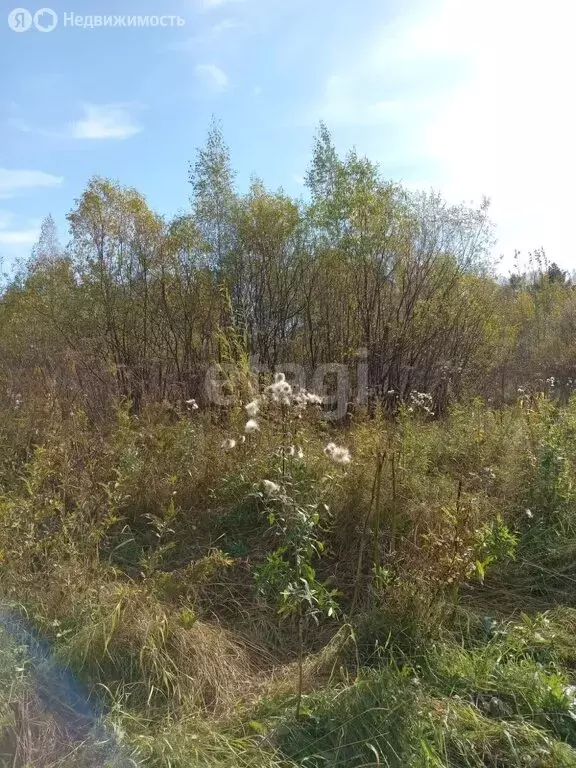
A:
x: 105, y: 121
x: 212, y: 76
x: 209, y: 5
x: 208, y: 37
x: 6, y: 218
x: 13, y: 182
x: 226, y: 25
x: 347, y: 102
x: 21, y: 236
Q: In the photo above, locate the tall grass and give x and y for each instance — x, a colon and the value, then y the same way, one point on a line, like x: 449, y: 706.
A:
x: 152, y: 563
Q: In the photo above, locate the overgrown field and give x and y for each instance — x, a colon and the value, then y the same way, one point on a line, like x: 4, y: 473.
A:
x: 203, y: 565
x: 186, y: 587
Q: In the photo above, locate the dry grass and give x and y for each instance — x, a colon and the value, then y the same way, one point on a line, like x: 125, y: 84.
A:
x: 134, y: 557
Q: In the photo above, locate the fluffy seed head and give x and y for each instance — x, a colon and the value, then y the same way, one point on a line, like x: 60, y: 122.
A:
x: 252, y: 408
x: 338, y: 454
x: 270, y: 488
x: 341, y: 456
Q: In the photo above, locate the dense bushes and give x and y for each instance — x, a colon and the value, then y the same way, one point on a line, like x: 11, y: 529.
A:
x: 391, y: 291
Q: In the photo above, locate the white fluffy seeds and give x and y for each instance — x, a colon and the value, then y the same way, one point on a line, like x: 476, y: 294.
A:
x: 337, y: 454
x: 270, y: 488
x: 252, y: 408
x: 251, y: 427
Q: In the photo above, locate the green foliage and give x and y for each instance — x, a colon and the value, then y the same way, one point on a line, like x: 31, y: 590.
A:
x: 493, y: 543
x: 288, y: 575
x: 362, y: 725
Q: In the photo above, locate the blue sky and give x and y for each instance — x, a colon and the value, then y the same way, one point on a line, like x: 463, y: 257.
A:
x: 470, y: 97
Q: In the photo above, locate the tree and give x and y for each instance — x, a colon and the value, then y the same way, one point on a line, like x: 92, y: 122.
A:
x: 555, y: 274
x: 266, y: 270
x: 117, y: 242
x: 212, y: 179
x: 48, y: 248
